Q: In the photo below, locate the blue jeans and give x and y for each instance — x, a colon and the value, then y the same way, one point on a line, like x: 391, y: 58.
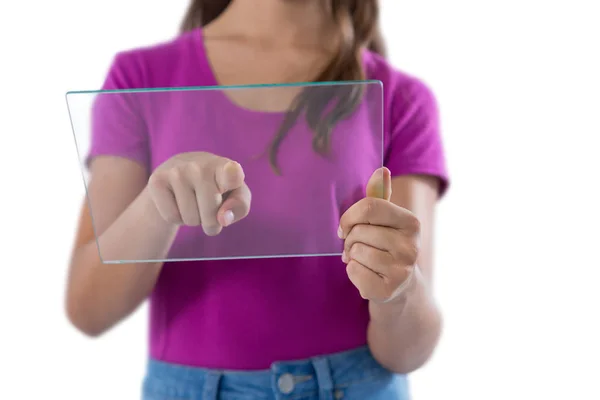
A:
x: 351, y: 375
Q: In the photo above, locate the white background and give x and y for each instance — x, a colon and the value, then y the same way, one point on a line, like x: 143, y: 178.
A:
x: 517, y: 254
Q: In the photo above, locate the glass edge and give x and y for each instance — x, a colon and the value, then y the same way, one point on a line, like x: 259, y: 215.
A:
x: 382, y: 100
x: 82, y: 168
x: 224, y: 87
x: 224, y: 258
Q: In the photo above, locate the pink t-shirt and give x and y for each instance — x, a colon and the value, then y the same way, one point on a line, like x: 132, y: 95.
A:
x: 245, y: 314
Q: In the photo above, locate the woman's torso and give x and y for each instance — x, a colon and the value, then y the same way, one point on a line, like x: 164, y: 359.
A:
x: 248, y: 313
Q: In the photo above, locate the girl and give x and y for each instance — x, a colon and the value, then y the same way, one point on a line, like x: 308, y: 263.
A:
x: 321, y: 327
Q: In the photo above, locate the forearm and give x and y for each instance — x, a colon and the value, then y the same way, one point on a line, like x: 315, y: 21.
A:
x: 139, y: 233
x: 403, y: 334
x: 100, y: 295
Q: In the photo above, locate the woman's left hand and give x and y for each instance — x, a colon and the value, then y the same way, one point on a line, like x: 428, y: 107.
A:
x: 380, y: 242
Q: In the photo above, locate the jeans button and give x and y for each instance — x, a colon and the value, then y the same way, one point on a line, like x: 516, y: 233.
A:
x: 286, y: 383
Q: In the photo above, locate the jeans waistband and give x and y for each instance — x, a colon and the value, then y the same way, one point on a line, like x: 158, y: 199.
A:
x: 319, y: 376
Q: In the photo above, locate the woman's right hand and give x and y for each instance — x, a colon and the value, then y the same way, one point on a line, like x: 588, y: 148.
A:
x: 200, y: 189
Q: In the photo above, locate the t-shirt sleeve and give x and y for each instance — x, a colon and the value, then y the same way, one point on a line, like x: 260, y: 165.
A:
x: 117, y: 127
x: 415, y: 144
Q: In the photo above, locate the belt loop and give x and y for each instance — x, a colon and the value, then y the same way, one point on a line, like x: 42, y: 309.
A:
x: 210, y: 389
x: 323, y: 372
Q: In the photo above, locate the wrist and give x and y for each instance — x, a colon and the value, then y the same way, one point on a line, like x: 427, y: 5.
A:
x: 147, y: 213
x: 411, y: 291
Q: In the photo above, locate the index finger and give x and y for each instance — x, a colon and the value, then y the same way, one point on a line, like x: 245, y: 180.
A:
x: 373, y: 211
x: 229, y: 175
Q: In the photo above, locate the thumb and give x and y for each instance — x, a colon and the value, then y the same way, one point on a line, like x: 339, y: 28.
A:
x: 380, y: 184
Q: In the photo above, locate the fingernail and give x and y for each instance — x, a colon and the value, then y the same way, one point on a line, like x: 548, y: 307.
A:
x: 211, y: 230
x: 228, y: 217
x: 340, y: 233
x: 344, y: 258
x: 233, y: 167
x: 230, y: 165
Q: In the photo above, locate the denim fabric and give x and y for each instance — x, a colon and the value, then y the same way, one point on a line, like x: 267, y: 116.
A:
x: 351, y: 375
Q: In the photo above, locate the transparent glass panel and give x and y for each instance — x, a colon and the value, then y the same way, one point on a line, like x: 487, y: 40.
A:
x: 304, y: 152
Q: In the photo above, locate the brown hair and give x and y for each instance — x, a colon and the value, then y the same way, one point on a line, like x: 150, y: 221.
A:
x: 358, y: 27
